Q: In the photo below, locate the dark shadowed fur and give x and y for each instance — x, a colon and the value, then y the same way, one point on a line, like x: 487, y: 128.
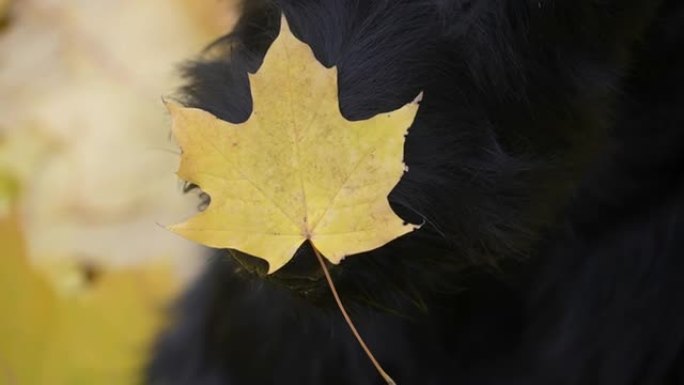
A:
x: 546, y: 163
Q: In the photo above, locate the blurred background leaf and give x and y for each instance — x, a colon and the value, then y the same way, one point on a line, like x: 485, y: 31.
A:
x: 87, y: 175
x: 98, y: 333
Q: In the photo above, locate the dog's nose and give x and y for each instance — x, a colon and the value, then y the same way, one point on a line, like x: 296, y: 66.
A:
x: 304, y: 264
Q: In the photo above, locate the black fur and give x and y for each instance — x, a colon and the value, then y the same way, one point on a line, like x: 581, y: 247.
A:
x: 547, y: 163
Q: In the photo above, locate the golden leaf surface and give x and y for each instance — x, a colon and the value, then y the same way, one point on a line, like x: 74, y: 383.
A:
x: 297, y: 169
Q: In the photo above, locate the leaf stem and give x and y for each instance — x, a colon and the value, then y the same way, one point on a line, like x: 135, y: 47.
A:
x: 365, y: 348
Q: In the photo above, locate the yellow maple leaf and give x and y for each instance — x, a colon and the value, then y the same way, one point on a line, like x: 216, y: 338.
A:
x: 297, y: 169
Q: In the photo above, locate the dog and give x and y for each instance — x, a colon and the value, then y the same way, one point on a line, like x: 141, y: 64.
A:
x: 546, y: 165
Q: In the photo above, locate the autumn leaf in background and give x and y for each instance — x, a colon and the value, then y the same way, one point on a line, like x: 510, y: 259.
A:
x: 83, y: 129
x: 97, y: 334
x: 86, y: 174
x: 296, y: 170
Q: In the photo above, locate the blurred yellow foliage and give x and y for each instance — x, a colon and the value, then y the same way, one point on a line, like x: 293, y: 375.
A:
x: 86, y: 179
x: 84, y: 130
x: 99, y: 334
x: 4, y: 8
